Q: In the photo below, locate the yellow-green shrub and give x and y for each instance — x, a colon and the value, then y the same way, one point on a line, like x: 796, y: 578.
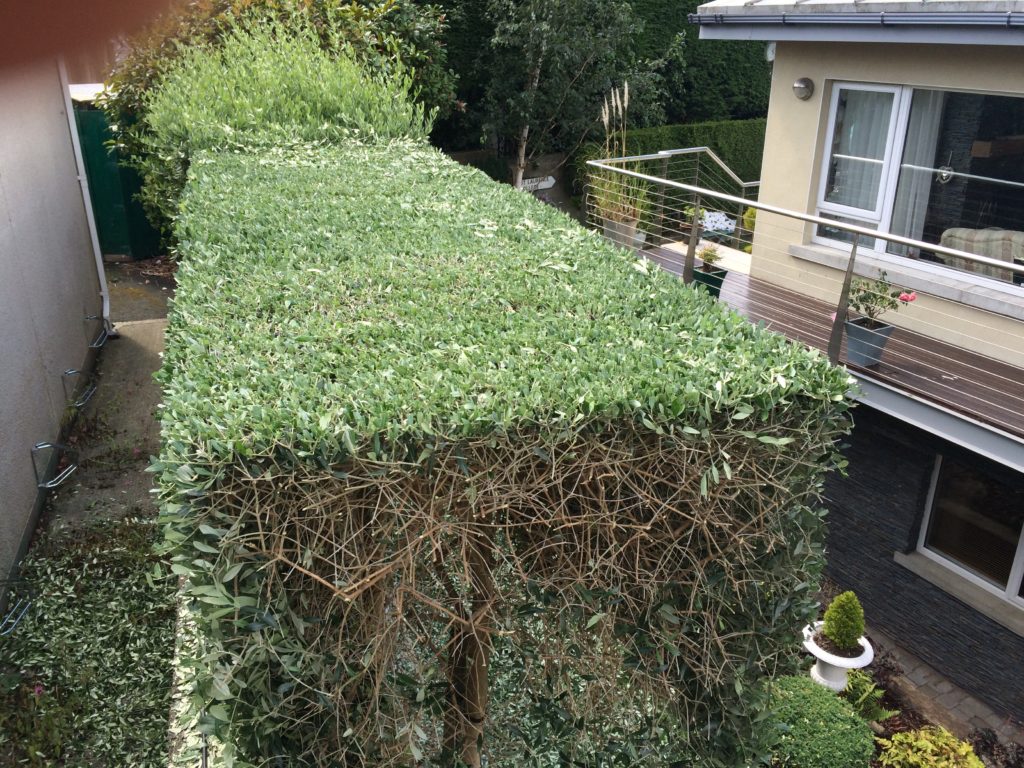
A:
x: 930, y: 747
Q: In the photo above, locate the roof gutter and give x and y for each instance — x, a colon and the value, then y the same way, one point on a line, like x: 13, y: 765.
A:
x: 1006, y: 20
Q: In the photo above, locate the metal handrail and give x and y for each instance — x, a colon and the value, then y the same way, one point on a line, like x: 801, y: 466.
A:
x: 667, y: 153
x: 607, y: 165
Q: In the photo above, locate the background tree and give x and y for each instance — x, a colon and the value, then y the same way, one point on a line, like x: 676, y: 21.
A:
x: 551, y: 63
x: 703, y: 79
x: 674, y: 76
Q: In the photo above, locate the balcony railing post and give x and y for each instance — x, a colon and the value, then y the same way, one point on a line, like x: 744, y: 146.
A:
x: 691, y: 245
x: 658, y: 224
x: 835, y: 340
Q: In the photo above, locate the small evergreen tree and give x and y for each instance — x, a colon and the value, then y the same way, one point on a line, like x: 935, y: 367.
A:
x: 844, y: 621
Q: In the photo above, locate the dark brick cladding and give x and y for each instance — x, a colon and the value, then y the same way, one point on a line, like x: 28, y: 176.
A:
x: 876, y: 511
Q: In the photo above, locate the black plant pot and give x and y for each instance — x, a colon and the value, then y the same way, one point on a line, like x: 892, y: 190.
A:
x: 710, y: 281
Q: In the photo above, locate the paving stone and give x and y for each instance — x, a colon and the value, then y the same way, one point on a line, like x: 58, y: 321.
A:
x: 951, y: 700
x: 971, y: 707
x: 918, y: 675
x: 979, y: 722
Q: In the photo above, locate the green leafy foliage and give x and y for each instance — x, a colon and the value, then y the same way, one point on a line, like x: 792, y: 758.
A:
x: 390, y: 39
x: 676, y: 76
x: 717, y: 79
x: 818, y: 729
x: 872, y: 298
x: 265, y: 83
x: 930, y: 747
x: 85, y: 677
x: 866, y: 697
x: 379, y: 359
x: 550, y: 65
x: 844, y: 621
x: 387, y: 37
x: 739, y: 143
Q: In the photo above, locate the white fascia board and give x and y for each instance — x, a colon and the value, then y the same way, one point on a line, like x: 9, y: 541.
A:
x: 862, y: 34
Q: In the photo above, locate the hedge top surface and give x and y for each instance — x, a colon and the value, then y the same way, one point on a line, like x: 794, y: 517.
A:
x: 338, y: 299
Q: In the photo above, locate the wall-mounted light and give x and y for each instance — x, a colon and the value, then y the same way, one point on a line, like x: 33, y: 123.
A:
x: 803, y: 88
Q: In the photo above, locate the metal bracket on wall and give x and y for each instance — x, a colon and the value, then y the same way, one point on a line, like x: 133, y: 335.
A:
x: 101, y: 339
x: 69, y: 377
x: 60, y: 477
x: 13, y: 617
x: 106, y: 332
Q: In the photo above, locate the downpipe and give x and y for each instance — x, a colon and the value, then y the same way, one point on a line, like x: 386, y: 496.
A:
x: 83, y: 182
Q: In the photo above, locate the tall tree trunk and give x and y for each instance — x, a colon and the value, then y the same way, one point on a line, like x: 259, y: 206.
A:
x: 520, y: 167
x: 524, y: 134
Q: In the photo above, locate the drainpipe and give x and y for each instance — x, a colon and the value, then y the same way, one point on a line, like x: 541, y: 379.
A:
x: 83, y: 182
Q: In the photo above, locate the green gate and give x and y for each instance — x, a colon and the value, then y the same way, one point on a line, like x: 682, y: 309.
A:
x: 120, y: 221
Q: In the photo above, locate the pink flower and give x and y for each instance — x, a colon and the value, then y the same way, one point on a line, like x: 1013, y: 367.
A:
x: 38, y: 690
x: 906, y: 298
x: 833, y: 316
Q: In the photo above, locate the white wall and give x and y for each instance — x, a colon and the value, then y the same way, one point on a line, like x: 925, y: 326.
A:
x: 48, y: 283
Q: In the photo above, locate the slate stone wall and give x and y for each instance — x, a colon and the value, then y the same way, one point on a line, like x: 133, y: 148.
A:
x: 876, y: 511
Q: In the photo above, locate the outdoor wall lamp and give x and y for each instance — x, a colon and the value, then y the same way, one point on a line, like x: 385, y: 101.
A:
x: 803, y: 88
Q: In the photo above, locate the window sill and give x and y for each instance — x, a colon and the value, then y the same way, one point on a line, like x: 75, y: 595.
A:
x: 987, y: 603
x: 943, y: 282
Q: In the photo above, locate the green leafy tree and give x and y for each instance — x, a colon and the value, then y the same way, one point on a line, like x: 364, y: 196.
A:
x: 703, y: 79
x: 550, y: 65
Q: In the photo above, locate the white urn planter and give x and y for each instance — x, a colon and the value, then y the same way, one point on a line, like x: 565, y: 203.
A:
x: 831, y: 670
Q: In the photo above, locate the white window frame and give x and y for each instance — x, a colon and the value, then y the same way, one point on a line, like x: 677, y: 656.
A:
x: 887, y: 186
x: 1010, y: 593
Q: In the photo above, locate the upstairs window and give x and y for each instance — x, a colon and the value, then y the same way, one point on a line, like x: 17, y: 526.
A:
x: 944, y: 167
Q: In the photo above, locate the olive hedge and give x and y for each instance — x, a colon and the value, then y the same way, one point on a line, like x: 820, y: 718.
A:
x: 268, y: 83
x: 450, y: 479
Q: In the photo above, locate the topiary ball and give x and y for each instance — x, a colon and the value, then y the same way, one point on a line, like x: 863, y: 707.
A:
x: 819, y: 729
x: 844, y: 621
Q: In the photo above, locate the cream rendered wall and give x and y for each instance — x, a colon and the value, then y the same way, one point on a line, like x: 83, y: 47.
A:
x: 794, y: 142
x: 48, y: 283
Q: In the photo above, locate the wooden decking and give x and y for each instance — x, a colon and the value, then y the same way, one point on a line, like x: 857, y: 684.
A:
x: 977, y: 386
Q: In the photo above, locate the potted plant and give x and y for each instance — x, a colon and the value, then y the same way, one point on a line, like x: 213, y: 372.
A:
x: 838, y: 642
x: 866, y: 335
x: 708, y: 275
x: 619, y: 200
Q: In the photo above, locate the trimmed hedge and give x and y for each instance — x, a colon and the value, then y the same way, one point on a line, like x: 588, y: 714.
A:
x: 270, y: 84
x: 819, y: 729
x: 405, y: 405
x: 740, y: 143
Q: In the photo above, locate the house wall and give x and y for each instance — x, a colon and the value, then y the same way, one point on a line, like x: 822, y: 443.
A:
x: 876, y: 512
x: 48, y: 284
x: 794, y: 143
